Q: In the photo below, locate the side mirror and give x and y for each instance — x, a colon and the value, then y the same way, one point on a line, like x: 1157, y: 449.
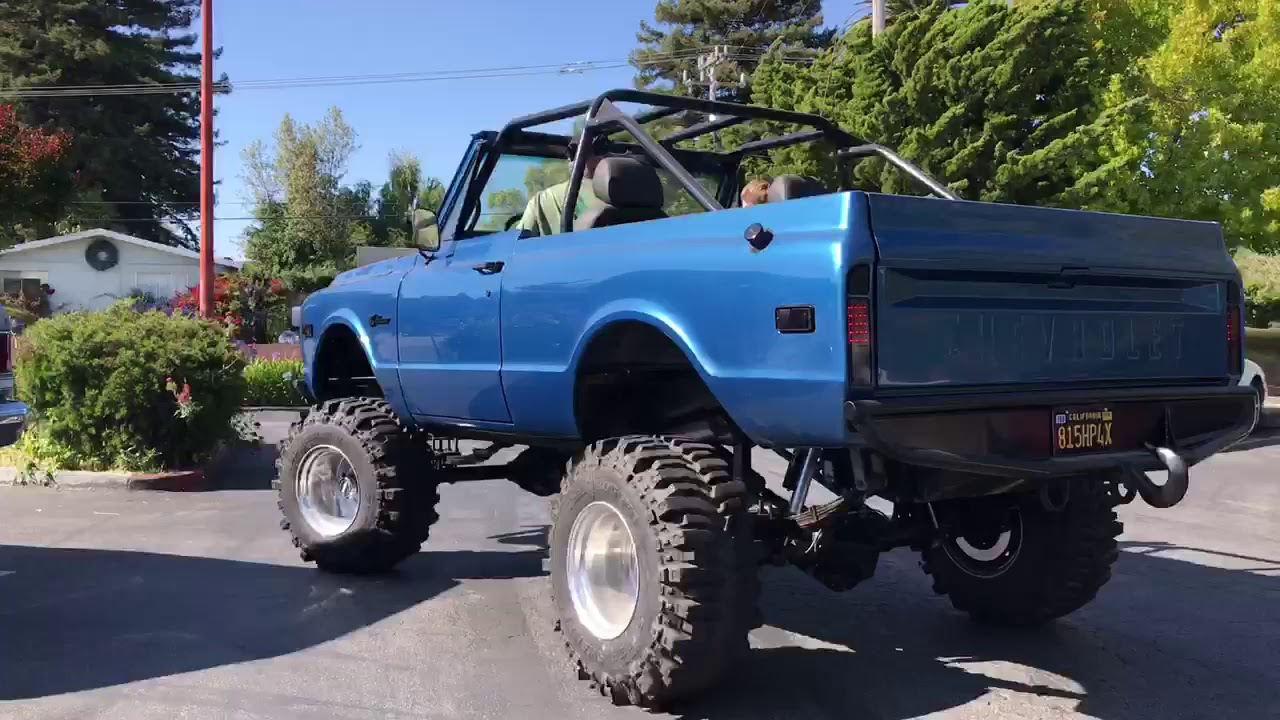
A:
x: 426, y: 235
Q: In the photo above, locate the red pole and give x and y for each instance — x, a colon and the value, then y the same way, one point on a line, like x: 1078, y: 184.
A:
x: 206, y: 160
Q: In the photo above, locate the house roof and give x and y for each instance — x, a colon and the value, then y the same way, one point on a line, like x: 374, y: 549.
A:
x: 119, y: 237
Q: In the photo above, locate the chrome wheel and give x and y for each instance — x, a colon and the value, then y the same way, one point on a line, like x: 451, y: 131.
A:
x: 603, y: 571
x: 327, y: 490
x: 989, y: 552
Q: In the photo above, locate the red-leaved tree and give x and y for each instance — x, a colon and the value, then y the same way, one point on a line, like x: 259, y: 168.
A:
x: 34, y: 179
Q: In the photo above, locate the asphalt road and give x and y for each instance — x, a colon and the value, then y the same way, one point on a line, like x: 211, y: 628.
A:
x: 149, y: 605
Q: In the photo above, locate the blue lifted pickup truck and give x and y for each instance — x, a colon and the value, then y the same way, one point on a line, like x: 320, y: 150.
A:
x: 1004, y: 376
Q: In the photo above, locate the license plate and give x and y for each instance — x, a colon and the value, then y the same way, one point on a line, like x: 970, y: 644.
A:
x: 1082, y: 430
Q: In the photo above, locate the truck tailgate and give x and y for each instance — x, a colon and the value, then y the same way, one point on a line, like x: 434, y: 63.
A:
x: 980, y: 294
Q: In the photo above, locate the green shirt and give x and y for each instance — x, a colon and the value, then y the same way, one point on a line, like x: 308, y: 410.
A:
x: 546, y: 208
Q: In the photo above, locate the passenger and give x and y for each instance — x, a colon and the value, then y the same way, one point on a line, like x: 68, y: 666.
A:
x: 545, y: 210
x: 755, y: 193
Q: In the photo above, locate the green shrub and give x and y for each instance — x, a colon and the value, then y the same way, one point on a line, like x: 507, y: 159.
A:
x: 271, y: 382
x: 1261, y: 276
x: 36, y: 457
x: 124, y: 389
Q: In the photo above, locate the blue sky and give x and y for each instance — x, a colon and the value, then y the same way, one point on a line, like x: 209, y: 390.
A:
x: 284, y: 39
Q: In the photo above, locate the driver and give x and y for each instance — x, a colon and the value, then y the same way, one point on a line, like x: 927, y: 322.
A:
x: 543, y: 214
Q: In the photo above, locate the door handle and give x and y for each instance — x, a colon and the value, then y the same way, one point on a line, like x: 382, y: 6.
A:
x: 376, y: 320
x: 489, y: 268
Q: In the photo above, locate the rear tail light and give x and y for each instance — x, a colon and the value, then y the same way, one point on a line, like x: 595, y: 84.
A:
x: 1235, y: 331
x: 859, y: 322
x: 858, y: 325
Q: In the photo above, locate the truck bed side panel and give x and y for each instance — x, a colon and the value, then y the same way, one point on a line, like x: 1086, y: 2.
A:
x: 696, y: 279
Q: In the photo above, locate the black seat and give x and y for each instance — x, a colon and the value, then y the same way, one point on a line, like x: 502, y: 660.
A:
x: 630, y: 190
x: 790, y: 187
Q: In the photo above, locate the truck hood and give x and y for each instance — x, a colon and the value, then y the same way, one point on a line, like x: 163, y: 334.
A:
x: 391, y: 266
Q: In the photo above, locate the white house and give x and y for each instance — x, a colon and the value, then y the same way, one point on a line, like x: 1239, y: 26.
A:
x: 93, y: 268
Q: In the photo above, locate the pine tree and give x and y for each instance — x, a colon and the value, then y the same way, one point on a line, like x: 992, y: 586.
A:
x: 684, y: 28
x: 135, y: 156
x: 1001, y: 105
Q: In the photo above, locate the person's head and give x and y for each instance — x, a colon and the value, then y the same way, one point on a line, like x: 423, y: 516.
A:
x: 598, y: 151
x: 756, y: 192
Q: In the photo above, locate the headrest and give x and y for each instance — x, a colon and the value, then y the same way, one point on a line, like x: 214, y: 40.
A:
x: 626, y: 182
x: 790, y: 187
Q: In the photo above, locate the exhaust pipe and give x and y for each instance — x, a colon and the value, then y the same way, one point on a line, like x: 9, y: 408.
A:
x: 1174, y: 488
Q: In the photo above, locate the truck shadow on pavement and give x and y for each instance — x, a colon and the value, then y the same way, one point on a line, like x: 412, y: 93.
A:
x: 1167, y: 638
x: 77, y: 619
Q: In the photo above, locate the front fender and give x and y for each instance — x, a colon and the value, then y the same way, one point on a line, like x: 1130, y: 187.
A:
x: 379, y: 350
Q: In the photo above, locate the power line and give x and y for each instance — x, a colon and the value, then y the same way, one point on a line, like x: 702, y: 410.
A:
x: 139, y: 89
x: 324, y: 81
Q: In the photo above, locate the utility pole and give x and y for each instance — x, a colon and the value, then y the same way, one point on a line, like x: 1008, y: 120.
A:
x: 206, y: 160
x: 877, y: 17
x: 709, y: 65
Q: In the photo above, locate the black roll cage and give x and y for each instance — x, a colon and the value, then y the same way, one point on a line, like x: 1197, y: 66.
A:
x: 604, y: 119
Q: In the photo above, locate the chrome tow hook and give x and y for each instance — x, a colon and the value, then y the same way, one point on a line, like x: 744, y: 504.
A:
x: 1174, y: 488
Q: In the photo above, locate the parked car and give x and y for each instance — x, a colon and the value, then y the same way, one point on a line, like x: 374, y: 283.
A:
x: 1004, y: 375
x: 1253, y: 377
x: 13, y: 414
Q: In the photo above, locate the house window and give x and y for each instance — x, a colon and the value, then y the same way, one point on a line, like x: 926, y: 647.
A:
x: 160, y: 286
x: 22, y: 284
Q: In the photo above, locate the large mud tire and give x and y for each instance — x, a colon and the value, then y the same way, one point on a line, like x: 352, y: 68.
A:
x: 392, y: 473
x: 1058, y: 562
x: 697, y: 589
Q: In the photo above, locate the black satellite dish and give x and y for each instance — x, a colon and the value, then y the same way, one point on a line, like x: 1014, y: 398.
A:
x: 102, y: 254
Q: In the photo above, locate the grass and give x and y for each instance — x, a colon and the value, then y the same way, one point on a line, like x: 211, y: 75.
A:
x: 270, y: 382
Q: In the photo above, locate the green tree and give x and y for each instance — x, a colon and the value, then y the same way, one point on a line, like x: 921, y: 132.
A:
x: 395, y: 200
x: 500, y: 206
x: 543, y: 175
x: 1195, y: 125
x: 999, y: 104
x: 431, y: 194
x: 684, y: 28
x: 307, y: 220
x: 897, y: 8
x: 137, y: 153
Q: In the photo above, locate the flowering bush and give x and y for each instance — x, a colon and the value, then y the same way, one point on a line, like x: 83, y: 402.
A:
x: 29, y: 308
x: 186, y: 406
x: 130, y: 390
x: 243, y: 305
x: 33, y: 182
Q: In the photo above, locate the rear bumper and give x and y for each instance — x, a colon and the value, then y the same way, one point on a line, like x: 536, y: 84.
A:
x: 1010, y: 434
x: 13, y: 419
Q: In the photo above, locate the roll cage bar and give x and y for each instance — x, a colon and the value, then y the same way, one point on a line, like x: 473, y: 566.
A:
x: 604, y: 119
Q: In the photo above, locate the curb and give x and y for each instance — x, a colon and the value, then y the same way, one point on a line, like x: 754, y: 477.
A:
x: 1270, y: 416
x: 199, y: 480
x: 178, y: 481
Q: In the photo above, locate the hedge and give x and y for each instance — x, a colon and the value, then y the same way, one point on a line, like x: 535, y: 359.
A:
x: 122, y: 389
